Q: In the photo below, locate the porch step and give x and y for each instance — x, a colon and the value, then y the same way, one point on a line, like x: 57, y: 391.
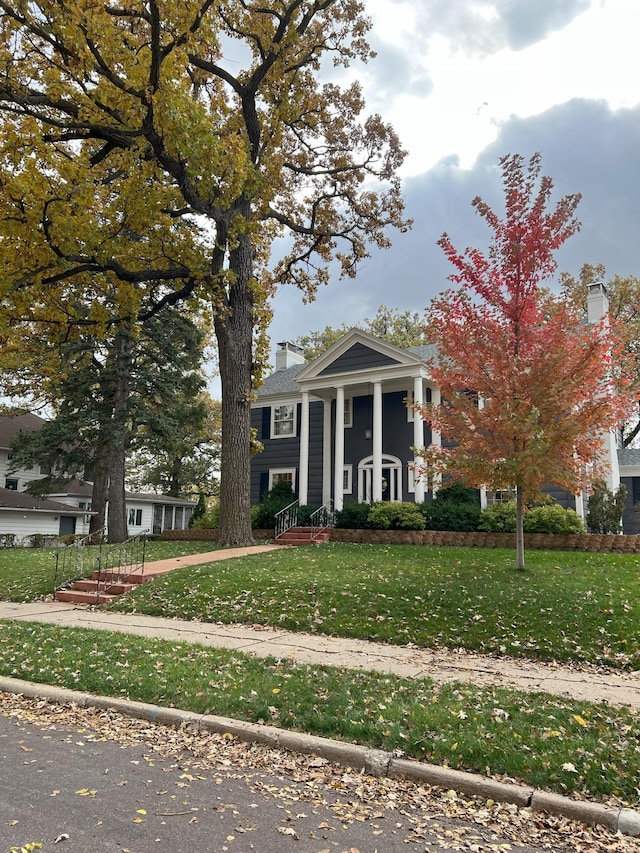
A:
x: 77, y: 596
x: 303, y: 536
x: 91, y: 590
x: 118, y: 588
x: 132, y: 578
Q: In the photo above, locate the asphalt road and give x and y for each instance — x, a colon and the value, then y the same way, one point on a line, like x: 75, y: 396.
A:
x: 117, y: 785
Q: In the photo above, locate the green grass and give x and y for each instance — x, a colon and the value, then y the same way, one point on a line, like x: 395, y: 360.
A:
x: 549, y: 742
x: 26, y: 574
x: 568, y: 606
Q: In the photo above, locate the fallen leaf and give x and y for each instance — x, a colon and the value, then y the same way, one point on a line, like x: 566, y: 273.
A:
x: 288, y: 830
x: 64, y: 836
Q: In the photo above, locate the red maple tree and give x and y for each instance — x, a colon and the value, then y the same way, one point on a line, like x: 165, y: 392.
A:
x: 528, y: 390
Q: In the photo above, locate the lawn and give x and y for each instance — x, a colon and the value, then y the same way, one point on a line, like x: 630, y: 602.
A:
x: 549, y: 742
x: 27, y: 574
x: 568, y: 606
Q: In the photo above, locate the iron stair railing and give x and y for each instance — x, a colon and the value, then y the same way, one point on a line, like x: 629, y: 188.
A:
x: 287, y: 518
x: 321, y: 519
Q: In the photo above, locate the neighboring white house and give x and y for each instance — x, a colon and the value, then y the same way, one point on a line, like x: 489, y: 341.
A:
x: 68, y: 509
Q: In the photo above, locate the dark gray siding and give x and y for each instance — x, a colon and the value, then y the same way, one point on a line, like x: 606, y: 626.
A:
x: 564, y: 498
x: 631, y: 515
x: 285, y: 452
x: 357, y: 357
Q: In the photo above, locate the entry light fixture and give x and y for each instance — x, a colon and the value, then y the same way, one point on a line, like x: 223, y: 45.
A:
x: 368, y: 433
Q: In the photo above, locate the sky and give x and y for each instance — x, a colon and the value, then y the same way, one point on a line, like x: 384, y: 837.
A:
x: 466, y: 81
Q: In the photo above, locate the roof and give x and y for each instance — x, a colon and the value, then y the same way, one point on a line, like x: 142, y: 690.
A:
x: 12, y: 425
x: 12, y: 500
x: 150, y: 497
x: 284, y: 381
x: 628, y: 456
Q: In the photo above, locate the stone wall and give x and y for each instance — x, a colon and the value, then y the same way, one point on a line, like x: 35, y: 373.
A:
x: 544, y: 541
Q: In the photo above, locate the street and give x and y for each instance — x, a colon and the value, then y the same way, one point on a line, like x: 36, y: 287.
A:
x: 93, y: 781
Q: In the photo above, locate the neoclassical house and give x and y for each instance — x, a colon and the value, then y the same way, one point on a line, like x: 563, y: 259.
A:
x: 339, y: 428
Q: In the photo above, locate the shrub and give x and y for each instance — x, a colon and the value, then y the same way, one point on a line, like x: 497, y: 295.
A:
x: 454, y: 507
x: 387, y: 515
x: 548, y: 518
x: 604, y: 514
x: 498, y: 518
x: 277, y: 498
x: 552, y: 518
x: 199, y: 511
x: 209, y: 520
x: 353, y: 516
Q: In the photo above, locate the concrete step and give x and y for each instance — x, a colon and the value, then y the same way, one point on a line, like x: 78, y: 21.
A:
x: 118, y: 577
x: 76, y: 596
x: 118, y: 588
x: 303, y: 536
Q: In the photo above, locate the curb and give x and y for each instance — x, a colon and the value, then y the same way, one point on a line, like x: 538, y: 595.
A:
x: 376, y: 762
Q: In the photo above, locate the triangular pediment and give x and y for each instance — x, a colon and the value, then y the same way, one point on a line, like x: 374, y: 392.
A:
x: 357, y: 352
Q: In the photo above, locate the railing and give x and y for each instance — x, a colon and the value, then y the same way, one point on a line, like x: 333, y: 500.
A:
x: 287, y: 518
x: 120, y: 562
x: 110, y: 565
x: 322, y: 518
x: 74, y: 562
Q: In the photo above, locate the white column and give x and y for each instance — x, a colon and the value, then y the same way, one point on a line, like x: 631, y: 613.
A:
x: 377, y: 442
x: 326, y: 452
x: 338, y: 473
x: 303, y: 468
x: 483, y: 489
x: 418, y: 441
x: 436, y: 437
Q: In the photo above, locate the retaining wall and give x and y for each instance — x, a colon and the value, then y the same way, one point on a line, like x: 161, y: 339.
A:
x: 543, y: 541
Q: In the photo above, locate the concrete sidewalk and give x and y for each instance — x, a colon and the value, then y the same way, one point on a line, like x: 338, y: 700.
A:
x: 582, y: 683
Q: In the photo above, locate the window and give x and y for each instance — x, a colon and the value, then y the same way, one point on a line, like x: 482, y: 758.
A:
x: 135, y: 518
x: 347, y: 479
x: 500, y: 496
x: 11, y: 483
x: 45, y: 470
x: 348, y: 413
x: 286, y: 474
x: 85, y: 505
x: 408, y: 401
x: 284, y: 424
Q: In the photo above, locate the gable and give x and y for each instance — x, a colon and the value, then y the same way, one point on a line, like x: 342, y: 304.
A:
x: 358, y: 357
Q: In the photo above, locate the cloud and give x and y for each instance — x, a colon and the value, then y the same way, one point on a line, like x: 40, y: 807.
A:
x: 482, y: 27
x: 586, y: 147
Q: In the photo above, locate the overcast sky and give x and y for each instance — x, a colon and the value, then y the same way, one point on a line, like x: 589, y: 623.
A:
x: 466, y: 81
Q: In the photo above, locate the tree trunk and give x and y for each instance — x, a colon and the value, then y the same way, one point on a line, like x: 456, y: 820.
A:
x: 116, y: 514
x: 99, y: 494
x: 234, y: 333
x: 519, y: 531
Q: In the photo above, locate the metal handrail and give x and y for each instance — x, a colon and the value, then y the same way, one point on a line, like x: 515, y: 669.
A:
x: 71, y: 561
x: 111, y: 565
x: 122, y: 561
x: 286, y: 518
x: 322, y: 518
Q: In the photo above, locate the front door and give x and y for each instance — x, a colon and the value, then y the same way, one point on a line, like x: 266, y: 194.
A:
x: 391, y: 479
x: 67, y: 525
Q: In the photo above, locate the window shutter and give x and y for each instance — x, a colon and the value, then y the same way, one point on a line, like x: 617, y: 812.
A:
x: 264, y: 482
x: 266, y: 422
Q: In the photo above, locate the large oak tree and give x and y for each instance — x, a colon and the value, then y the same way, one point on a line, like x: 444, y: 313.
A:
x: 528, y: 389
x: 202, y: 128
